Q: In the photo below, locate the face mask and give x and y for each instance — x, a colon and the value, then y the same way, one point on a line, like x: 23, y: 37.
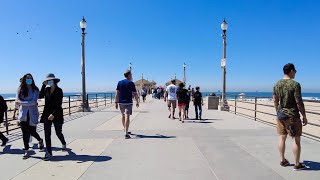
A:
x: 29, y: 81
x: 50, y: 83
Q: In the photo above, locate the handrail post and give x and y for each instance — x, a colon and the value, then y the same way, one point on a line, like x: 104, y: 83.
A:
x: 97, y: 105
x: 87, y: 101
x: 7, y: 123
x: 105, y: 99
x: 255, y: 108
x: 235, y: 104
x: 69, y: 106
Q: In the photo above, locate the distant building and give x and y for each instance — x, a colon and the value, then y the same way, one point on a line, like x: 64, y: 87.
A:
x: 177, y: 82
x: 143, y: 82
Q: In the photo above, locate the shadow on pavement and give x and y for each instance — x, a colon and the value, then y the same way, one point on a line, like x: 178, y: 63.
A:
x: 314, y: 166
x: 197, y: 121
x: 157, y: 136
x: 79, y: 158
x: 193, y: 119
x: 7, y: 150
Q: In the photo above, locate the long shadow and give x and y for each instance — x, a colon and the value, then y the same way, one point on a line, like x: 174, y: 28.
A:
x: 193, y: 119
x: 7, y: 150
x: 80, y: 158
x: 200, y: 122
x: 157, y: 136
x: 313, y: 166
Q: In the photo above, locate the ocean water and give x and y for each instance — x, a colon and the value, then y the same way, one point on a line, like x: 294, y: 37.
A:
x: 74, y: 94
x: 266, y: 95
x: 230, y: 95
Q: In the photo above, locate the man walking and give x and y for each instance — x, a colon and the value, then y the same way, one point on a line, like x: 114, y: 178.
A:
x: 144, y: 93
x: 125, y: 89
x: 288, y: 93
x: 198, y: 102
x: 171, y: 98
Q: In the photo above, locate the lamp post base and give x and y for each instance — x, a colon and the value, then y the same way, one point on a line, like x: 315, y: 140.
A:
x: 84, y: 109
x: 223, y: 106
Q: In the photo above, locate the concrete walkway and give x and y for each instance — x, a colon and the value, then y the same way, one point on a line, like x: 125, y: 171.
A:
x: 224, y: 146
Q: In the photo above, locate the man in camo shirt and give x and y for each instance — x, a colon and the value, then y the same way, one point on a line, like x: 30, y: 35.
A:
x: 288, y: 103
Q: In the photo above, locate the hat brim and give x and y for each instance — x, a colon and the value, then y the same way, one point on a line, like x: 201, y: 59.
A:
x: 49, y: 79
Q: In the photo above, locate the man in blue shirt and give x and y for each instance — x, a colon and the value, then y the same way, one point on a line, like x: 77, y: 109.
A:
x: 123, y: 99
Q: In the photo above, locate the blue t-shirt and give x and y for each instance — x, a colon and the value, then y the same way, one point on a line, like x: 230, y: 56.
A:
x: 126, y: 88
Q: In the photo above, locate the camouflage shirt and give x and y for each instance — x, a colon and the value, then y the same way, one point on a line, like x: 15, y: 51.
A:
x: 289, y: 93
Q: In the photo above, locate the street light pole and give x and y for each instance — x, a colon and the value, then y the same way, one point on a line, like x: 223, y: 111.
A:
x: 224, y: 103
x: 83, y: 25
x: 130, y: 67
x: 184, y: 73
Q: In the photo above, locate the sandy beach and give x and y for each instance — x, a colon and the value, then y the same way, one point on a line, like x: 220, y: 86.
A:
x: 267, y: 107
x: 75, y: 106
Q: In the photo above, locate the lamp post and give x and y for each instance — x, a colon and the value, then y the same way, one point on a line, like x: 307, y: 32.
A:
x: 130, y: 67
x: 223, y: 103
x: 83, y: 25
x: 184, y: 73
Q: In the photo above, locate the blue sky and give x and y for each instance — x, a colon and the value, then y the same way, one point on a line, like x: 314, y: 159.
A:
x: 158, y: 36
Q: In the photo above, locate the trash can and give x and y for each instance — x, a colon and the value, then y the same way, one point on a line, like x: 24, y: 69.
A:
x: 213, y: 101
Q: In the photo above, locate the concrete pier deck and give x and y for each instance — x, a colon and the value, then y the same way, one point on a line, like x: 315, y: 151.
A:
x: 223, y: 146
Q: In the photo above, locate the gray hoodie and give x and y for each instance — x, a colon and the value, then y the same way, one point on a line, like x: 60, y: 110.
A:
x: 29, y: 104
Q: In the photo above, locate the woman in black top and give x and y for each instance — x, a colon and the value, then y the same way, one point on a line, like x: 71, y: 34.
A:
x: 53, y: 112
x: 182, y: 100
x: 3, y: 109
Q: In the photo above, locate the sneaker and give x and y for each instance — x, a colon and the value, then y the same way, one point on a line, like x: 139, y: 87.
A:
x: 284, y: 163
x: 26, y: 154
x: 169, y: 116
x: 41, y: 145
x: 127, y: 136
x: 4, y: 142
x: 47, y: 157
x: 64, y: 147
x: 300, y: 167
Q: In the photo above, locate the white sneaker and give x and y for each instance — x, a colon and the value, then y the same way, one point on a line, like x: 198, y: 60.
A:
x: 64, y: 147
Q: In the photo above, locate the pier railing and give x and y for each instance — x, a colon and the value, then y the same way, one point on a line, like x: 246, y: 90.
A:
x: 262, y: 109
x: 71, y: 104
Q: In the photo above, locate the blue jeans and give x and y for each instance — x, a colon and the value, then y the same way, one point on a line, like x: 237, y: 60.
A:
x: 198, y: 112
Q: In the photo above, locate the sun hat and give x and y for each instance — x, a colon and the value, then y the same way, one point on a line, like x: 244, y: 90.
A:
x: 51, y: 77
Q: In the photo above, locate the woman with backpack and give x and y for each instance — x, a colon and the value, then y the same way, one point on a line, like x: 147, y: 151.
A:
x: 52, y: 112
x: 27, y: 98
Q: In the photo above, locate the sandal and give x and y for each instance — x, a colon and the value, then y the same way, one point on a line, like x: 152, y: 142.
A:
x: 284, y: 163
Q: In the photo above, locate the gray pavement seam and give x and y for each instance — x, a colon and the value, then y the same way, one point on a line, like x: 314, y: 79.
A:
x: 93, y: 162
x: 243, y: 148
x: 105, y: 121
x: 204, y: 158
x: 32, y: 165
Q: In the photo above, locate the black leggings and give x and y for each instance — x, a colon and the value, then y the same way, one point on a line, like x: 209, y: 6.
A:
x: 47, y: 134
x: 2, y: 137
x: 28, y: 130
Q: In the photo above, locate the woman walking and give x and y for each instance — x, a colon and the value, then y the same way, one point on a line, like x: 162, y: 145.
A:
x: 3, y: 109
x: 182, y: 100
x: 53, y: 112
x: 27, y: 98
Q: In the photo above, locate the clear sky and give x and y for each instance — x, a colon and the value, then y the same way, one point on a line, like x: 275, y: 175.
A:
x: 158, y: 36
